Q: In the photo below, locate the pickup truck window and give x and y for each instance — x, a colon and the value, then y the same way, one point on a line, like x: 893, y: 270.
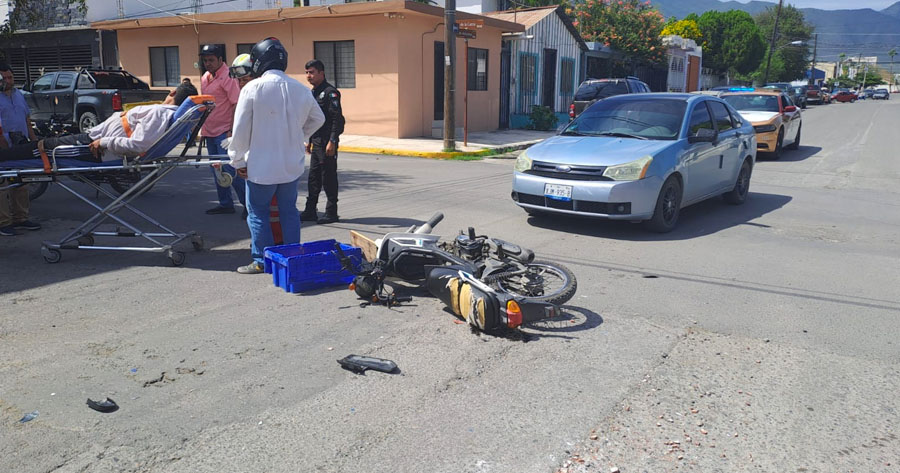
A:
x: 64, y: 80
x: 85, y: 82
x: 43, y: 83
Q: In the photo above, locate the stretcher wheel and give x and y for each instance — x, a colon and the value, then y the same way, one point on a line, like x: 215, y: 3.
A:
x: 177, y: 258
x: 51, y: 255
x: 197, y: 242
x: 86, y: 240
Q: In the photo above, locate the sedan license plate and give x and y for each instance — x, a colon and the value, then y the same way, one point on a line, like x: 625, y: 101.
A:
x: 558, y: 192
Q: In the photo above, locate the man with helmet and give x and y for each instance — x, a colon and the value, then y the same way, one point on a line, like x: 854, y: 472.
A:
x: 217, y: 82
x: 275, y: 116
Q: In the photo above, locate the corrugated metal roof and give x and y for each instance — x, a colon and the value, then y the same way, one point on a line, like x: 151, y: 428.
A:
x: 529, y: 17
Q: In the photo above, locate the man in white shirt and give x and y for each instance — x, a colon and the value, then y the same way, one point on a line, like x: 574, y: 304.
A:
x: 275, y: 115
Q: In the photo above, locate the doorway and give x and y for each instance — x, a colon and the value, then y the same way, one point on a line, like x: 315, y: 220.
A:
x: 438, y: 80
x: 548, y: 86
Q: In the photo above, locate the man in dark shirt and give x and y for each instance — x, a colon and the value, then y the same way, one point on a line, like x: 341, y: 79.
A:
x: 323, y: 146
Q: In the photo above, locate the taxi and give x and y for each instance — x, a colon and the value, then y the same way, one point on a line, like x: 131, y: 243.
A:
x: 775, y: 118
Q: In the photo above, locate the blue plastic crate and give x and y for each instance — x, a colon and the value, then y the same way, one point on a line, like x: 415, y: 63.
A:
x: 311, y: 265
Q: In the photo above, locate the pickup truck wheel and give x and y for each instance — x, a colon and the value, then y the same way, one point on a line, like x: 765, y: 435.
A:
x: 87, y: 120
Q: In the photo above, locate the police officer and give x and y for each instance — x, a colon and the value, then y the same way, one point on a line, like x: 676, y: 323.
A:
x: 323, y: 146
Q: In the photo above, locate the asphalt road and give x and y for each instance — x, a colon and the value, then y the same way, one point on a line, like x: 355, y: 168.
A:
x: 753, y: 338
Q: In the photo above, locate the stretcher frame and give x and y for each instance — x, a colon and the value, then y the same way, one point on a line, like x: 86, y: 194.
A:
x: 159, y: 164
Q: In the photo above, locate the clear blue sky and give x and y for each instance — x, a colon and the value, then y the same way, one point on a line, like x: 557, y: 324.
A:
x: 837, y: 4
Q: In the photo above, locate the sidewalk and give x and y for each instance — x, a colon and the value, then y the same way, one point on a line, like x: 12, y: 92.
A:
x: 480, y: 143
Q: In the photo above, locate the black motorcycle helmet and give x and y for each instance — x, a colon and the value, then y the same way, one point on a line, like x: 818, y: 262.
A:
x: 266, y: 55
x: 217, y: 50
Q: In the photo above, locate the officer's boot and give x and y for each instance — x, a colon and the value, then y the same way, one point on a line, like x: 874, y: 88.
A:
x: 331, y: 215
x: 309, y: 214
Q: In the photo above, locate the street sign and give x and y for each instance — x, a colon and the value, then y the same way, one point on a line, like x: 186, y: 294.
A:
x: 470, y: 24
x: 467, y: 34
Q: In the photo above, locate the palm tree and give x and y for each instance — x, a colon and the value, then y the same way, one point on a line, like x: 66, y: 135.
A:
x: 892, y: 53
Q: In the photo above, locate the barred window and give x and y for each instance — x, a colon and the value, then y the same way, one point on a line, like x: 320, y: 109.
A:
x: 527, y: 75
x: 339, y: 58
x: 478, y: 69
x: 164, y: 67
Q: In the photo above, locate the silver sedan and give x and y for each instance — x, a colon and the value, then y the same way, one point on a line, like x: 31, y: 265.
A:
x: 639, y: 157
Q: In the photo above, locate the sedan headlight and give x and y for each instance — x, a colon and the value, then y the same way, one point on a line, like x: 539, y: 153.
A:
x: 523, y: 162
x: 629, y: 171
x: 764, y: 128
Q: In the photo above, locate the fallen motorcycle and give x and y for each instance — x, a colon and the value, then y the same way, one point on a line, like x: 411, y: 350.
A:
x: 489, y: 282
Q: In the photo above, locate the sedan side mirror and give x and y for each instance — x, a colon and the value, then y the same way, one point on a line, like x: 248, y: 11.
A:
x: 790, y: 108
x: 703, y: 135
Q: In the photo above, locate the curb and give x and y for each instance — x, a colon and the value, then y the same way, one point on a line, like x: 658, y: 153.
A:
x: 484, y: 153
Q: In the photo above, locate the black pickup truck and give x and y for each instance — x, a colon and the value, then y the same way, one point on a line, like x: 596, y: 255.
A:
x: 79, y: 100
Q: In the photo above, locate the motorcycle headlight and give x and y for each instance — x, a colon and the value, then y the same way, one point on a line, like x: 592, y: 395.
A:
x: 523, y: 162
x: 629, y: 171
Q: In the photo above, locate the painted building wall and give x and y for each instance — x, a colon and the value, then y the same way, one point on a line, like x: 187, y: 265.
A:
x: 549, y: 33
x: 394, y: 93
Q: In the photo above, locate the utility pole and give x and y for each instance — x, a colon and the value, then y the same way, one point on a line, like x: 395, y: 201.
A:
x: 812, y: 68
x: 120, y: 6
x: 772, y: 42
x: 449, y: 75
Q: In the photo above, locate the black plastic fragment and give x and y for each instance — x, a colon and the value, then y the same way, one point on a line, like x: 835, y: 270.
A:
x: 359, y: 364
x: 107, y: 405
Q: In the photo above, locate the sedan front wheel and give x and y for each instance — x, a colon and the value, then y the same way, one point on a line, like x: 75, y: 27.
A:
x: 668, y: 207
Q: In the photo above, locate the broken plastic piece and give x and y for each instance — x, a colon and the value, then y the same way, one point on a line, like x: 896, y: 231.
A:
x: 107, y: 405
x: 29, y: 417
x: 359, y: 364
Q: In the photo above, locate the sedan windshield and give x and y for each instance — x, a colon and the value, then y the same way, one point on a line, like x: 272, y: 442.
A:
x: 757, y: 103
x: 650, y: 118
x: 600, y: 90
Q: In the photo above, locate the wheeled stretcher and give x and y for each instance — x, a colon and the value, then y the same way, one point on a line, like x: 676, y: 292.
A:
x: 156, y: 162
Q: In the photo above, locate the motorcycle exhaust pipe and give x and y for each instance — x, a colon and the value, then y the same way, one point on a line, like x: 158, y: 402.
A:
x: 430, y: 224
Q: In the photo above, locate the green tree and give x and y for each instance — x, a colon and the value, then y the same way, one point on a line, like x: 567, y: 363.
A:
x: 685, y: 28
x: 629, y: 26
x: 731, y: 41
x: 792, y: 60
x: 871, y: 77
x: 42, y: 14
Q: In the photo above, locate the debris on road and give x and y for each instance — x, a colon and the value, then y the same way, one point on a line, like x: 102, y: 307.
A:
x: 107, y: 405
x: 29, y: 417
x: 359, y: 364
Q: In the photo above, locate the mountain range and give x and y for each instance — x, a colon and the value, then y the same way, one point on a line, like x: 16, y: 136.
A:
x: 864, y: 31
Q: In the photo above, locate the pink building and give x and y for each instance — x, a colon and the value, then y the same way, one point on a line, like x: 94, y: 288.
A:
x: 385, y: 57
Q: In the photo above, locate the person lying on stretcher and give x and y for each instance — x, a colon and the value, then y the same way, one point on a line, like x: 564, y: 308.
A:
x: 122, y: 134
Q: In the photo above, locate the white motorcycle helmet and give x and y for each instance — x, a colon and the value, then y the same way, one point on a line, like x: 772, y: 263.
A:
x: 240, y: 67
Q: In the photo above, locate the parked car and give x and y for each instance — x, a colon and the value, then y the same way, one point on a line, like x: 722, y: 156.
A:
x: 639, y: 157
x: 800, y: 96
x: 814, y: 94
x: 866, y: 94
x: 80, y: 100
x: 844, y: 96
x: 776, y: 120
x: 826, y: 96
x: 881, y: 94
x: 786, y: 88
x: 592, y: 90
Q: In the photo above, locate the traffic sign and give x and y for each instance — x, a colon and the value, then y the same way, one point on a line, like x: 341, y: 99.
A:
x: 467, y: 34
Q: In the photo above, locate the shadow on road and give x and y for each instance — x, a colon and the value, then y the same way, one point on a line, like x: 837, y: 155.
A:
x: 791, y: 155
x: 704, y: 218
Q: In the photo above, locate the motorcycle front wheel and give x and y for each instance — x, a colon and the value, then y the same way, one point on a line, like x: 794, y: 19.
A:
x: 542, y: 281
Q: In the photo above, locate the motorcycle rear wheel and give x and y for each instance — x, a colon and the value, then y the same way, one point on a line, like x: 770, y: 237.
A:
x: 544, y: 281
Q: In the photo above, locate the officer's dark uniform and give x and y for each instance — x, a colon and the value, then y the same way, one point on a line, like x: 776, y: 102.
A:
x: 322, y: 168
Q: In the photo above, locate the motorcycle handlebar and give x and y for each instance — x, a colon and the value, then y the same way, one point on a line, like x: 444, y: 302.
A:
x: 430, y: 224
